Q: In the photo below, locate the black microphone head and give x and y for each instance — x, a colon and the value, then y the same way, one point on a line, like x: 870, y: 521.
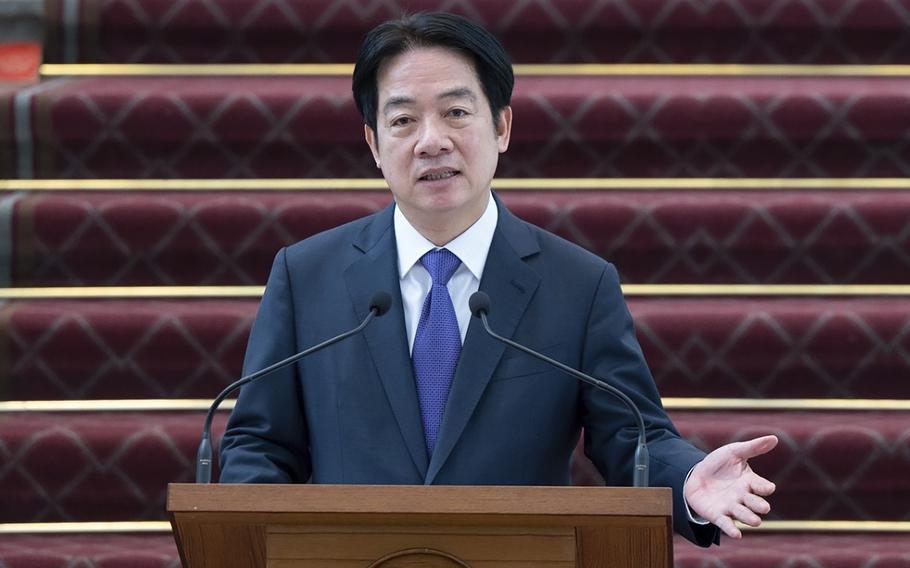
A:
x: 381, y: 302
x: 479, y: 303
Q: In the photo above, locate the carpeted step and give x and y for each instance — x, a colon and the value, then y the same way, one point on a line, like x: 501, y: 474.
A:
x: 565, y: 126
x: 139, y: 349
x: 109, y: 550
x: 829, y: 465
x: 95, y: 466
x: 251, y: 31
x: 62, y: 466
x: 696, y: 347
x: 756, y: 550
x: 704, y: 237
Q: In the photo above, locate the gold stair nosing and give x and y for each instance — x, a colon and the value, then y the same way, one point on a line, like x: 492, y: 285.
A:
x: 670, y: 403
x: 127, y: 527
x: 629, y: 290
x: 520, y: 69
x: 505, y: 184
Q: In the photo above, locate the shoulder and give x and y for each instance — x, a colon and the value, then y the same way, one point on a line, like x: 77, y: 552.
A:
x: 556, y: 254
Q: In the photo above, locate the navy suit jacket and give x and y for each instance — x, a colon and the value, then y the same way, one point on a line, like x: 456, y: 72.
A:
x: 349, y: 414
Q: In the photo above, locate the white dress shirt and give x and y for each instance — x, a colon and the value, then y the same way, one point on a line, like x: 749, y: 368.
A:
x: 471, y: 247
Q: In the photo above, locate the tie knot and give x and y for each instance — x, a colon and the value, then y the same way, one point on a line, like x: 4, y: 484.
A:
x: 441, y: 264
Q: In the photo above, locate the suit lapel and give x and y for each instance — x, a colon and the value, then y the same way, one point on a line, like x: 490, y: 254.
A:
x: 386, y: 337
x: 510, y: 283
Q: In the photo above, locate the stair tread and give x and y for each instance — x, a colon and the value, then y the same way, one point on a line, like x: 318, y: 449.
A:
x: 755, y: 550
x: 723, y: 237
x: 292, y: 127
x: 695, y: 347
x: 115, y: 466
x: 871, y: 31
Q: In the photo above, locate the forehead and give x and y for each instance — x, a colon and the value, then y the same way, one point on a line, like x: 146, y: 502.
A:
x: 426, y: 71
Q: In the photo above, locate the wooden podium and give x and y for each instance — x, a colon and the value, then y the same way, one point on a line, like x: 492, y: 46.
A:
x: 341, y: 526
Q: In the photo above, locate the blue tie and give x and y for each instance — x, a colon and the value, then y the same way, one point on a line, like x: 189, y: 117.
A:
x: 437, y: 344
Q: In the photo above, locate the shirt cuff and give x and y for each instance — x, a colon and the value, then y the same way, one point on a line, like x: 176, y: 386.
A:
x: 693, y: 516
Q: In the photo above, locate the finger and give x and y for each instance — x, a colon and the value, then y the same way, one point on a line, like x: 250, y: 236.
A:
x: 755, y: 447
x: 727, y: 525
x: 761, y: 486
x: 757, y: 504
x: 745, y: 515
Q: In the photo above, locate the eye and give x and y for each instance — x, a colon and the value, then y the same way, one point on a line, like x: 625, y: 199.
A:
x: 401, y: 121
x: 458, y: 113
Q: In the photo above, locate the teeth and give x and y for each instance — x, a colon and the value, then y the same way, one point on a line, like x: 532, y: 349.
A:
x: 443, y: 175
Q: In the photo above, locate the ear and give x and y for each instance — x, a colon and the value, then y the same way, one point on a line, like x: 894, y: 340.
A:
x: 372, y: 141
x: 504, y: 128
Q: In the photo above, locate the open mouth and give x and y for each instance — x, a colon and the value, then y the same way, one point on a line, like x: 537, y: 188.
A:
x: 436, y: 176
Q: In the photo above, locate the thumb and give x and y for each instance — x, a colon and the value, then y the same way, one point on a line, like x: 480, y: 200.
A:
x: 754, y: 447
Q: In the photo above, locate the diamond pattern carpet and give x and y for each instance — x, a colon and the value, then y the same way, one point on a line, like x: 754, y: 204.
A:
x: 755, y: 551
x: 799, y: 551
x: 89, y: 551
x: 855, y: 123
x: 84, y: 466
x: 859, y: 237
x: 677, y: 31
x: 591, y: 126
x: 95, y: 466
x: 734, y: 348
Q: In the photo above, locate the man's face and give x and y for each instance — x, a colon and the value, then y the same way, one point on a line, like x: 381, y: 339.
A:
x: 435, y: 139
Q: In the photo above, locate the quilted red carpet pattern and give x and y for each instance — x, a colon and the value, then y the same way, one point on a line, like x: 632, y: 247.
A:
x: 830, y: 465
x: 122, y: 349
x: 755, y: 551
x: 89, y: 551
x: 673, y: 237
x: 114, y: 466
x: 250, y: 31
x: 591, y: 126
x: 736, y: 348
x: 798, y: 551
x: 95, y: 467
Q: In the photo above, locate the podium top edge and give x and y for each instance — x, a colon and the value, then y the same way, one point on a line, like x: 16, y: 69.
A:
x: 317, y: 499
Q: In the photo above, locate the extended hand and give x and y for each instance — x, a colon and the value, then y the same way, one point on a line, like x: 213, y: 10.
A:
x: 723, y: 488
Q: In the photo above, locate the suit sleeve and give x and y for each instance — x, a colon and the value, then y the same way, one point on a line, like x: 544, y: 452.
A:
x: 266, y: 436
x: 612, y: 353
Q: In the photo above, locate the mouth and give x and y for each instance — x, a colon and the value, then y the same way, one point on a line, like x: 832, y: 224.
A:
x: 436, y: 175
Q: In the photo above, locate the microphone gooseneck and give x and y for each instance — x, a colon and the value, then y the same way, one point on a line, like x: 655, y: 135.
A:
x: 479, y: 303
x: 380, y: 303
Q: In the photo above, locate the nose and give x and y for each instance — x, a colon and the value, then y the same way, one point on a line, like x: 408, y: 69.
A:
x: 432, y: 139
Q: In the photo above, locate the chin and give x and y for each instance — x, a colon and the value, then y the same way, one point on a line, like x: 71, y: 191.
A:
x: 445, y: 199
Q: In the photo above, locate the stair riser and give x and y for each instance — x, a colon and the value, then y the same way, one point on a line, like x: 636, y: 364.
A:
x: 280, y: 127
x: 728, y: 237
x: 695, y: 348
x: 116, y: 467
x: 755, y: 551
x: 254, y: 31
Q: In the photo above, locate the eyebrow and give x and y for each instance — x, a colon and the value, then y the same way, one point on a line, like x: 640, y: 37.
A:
x: 457, y: 93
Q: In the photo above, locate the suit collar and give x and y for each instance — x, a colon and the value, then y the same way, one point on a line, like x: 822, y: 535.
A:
x: 509, y: 282
x: 386, y: 337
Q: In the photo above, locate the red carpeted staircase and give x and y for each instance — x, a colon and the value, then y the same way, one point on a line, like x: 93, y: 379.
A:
x: 695, y: 180
x: 589, y: 126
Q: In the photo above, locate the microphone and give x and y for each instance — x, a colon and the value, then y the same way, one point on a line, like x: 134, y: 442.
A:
x: 479, y: 302
x: 379, y: 305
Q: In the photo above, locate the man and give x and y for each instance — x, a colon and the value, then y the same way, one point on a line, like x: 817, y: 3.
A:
x: 424, y: 395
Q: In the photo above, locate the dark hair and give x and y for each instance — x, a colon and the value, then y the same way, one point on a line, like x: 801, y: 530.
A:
x: 432, y: 29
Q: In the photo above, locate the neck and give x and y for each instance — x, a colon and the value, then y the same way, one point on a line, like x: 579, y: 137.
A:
x: 441, y: 236
x: 442, y: 228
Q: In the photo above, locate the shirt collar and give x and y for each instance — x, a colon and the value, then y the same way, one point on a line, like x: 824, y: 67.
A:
x: 471, y: 246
